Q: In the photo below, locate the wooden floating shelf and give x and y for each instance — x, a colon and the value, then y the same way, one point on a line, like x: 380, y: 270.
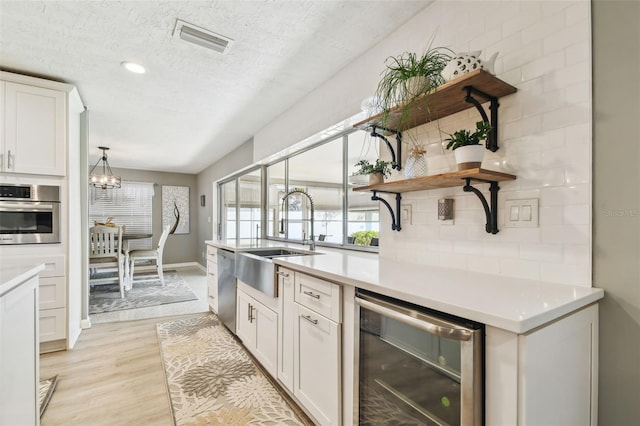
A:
x: 445, y: 100
x: 443, y: 180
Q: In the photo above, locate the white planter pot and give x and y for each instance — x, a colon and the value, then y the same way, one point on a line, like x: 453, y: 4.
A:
x: 376, y: 178
x: 469, y: 157
x: 415, y: 86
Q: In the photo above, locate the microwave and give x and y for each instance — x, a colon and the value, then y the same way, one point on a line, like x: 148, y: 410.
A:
x: 29, y: 214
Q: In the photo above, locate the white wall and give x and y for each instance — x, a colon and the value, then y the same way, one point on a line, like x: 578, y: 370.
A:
x: 545, y: 137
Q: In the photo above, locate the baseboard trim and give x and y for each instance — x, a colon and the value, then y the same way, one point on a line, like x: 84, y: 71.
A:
x: 85, y: 323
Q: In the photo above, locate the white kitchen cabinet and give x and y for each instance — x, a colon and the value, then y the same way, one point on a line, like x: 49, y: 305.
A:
x: 317, y: 349
x: 547, y: 376
x: 257, y: 327
x: 285, y: 327
x: 19, y: 361
x: 53, y: 298
x: 212, y: 278
x: 34, y: 137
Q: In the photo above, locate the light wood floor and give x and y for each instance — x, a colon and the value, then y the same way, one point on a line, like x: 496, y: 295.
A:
x: 113, y: 376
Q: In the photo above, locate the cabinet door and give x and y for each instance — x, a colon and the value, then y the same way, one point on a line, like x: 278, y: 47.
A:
x: 212, y: 285
x: 245, y: 328
x: 317, y: 365
x: 19, y: 355
x: 285, y: 328
x: 35, y: 130
x: 266, y: 347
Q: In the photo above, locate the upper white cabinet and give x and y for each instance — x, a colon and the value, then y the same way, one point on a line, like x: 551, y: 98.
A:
x: 34, y: 136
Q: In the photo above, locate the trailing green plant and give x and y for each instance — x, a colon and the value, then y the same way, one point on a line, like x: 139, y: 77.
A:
x: 363, y: 238
x: 464, y: 137
x: 380, y: 166
x: 392, y: 88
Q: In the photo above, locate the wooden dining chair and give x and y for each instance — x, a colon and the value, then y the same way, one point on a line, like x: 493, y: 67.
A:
x: 154, y: 254
x: 105, y: 248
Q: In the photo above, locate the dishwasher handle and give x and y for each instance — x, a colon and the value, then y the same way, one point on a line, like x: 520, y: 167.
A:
x: 417, y: 319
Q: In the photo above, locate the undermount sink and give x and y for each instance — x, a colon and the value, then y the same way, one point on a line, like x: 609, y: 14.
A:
x: 277, y: 252
x: 256, y: 269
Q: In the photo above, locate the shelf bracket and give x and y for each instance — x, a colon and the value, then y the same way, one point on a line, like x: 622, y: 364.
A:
x: 492, y: 137
x: 491, y: 212
x: 395, y: 217
x: 397, y: 162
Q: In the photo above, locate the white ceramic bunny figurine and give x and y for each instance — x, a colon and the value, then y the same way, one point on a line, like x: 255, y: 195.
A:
x: 464, y: 63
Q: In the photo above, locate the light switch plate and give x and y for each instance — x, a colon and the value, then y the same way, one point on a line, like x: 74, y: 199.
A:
x: 521, y: 213
x: 405, y: 214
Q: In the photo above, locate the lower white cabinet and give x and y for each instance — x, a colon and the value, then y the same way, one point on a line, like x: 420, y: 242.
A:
x: 316, y: 360
x: 285, y: 327
x: 257, y: 327
x: 212, y: 278
x: 19, y: 367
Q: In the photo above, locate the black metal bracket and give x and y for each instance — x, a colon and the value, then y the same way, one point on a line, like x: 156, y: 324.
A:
x: 395, y: 217
x: 491, y: 212
x: 397, y: 162
x: 492, y: 137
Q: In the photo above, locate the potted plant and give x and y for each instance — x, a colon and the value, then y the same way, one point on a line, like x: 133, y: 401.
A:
x: 377, y: 171
x: 409, y: 75
x: 466, y: 145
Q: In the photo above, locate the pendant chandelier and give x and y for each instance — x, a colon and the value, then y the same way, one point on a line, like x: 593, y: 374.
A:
x: 106, y: 180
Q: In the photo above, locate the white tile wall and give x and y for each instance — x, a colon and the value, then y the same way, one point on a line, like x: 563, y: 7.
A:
x: 545, y: 139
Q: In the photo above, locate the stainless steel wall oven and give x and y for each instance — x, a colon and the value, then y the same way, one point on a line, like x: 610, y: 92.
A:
x: 417, y: 366
x: 29, y: 214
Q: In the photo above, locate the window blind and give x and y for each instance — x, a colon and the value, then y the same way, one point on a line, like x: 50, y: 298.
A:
x: 131, y: 205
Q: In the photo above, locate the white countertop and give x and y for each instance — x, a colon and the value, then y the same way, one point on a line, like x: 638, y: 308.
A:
x: 513, y: 304
x: 13, y: 276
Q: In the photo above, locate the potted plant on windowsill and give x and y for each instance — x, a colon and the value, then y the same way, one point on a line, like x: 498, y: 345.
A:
x: 377, y: 171
x: 467, y: 145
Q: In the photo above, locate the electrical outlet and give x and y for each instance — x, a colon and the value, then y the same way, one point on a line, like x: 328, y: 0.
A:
x: 521, y: 213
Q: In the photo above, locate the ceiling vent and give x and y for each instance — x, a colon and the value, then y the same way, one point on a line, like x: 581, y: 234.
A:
x: 201, y: 37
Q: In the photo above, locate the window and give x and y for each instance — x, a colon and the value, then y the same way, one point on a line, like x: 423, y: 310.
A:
x: 131, y: 206
x: 341, y: 216
x: 241, y: 206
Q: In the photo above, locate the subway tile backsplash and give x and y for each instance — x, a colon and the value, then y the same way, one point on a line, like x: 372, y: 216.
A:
x: 544, y: 137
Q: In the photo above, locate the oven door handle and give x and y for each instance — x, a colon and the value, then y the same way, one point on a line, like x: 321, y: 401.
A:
x: 416, y: 319
x: 20, y: 207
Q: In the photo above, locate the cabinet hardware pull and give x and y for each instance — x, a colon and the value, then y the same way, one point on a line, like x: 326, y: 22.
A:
x: 308, y: 318
x: 283, y: 274
x: 9, y: 162
x: 249, y: 312
x: 311, y: 294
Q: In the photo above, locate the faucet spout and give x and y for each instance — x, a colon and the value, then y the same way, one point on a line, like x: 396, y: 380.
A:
x: 312, y: 245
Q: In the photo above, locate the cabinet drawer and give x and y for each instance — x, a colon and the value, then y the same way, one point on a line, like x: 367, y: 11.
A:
x: 52, y: 293
x: 212, y: 254
x: 53, y: 265
x: 212, y: 267
x: 318, y: 295
x: 53, y: 324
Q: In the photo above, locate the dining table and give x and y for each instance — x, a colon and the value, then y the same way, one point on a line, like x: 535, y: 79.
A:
x: 126, y: 237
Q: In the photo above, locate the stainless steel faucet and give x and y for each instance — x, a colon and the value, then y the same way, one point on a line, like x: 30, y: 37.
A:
x: 312, y: 245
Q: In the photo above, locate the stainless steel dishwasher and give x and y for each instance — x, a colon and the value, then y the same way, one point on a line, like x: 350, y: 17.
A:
x: 227, y: 288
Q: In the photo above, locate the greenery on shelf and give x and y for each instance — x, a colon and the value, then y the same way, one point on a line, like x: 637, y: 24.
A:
x: 464, y: 137
x: 395, y: 88
x: 363, y: 238
x: 380, y: 166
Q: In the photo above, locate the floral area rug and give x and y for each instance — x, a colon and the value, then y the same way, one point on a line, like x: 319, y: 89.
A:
x: 47, y: 387
x: 213, y: 381
x: 147, y: 290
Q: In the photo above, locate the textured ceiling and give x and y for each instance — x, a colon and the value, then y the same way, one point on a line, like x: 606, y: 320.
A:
x: 193, y: 105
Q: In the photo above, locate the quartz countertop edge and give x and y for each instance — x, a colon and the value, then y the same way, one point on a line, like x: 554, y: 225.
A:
x: 13, y: 276
x: 513, y: 304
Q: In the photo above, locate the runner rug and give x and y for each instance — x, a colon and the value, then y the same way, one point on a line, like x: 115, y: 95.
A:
x: 213, y: 381
x: 47, y: 387
x: 147, y: 290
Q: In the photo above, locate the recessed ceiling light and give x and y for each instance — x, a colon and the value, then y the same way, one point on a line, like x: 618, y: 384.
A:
x: 133, y: 67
